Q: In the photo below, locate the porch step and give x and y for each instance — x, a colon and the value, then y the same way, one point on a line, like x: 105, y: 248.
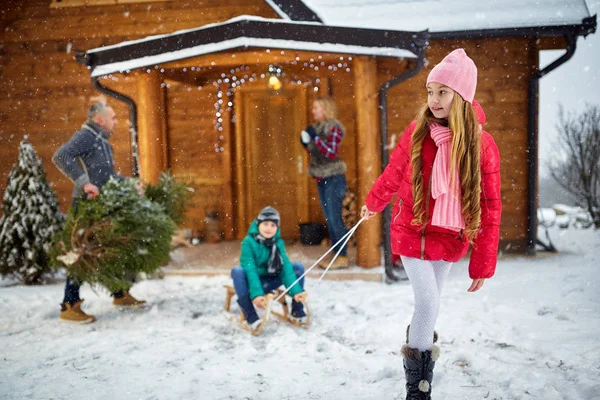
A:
x: 372, y: 275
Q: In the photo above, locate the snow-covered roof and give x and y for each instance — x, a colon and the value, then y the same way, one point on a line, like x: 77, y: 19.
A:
x: 248, y: 42
x: 449, y: 15
x: 366, y: 27
x: 248, y: 32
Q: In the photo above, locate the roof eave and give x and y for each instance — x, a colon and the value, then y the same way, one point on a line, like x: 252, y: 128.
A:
x: 588, y: 25
x: 240, y: 43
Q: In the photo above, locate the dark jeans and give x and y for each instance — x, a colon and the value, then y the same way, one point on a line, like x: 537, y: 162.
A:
x: 72, y: 286
x: 331, y: 194
x: 268, y: 284
x: 72, y: 292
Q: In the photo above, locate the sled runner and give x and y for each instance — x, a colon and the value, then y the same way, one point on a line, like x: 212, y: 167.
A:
x: 283, y: 313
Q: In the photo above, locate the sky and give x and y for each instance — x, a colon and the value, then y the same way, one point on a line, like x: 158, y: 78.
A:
x: 573, y: 84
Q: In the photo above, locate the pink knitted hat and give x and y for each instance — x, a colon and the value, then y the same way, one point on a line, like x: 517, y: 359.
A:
x: 458, y: 72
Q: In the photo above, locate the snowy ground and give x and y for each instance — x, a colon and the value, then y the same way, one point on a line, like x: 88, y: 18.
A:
x: 531, y: 333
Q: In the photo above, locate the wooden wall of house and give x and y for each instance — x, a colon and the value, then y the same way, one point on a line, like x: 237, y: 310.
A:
x: 504, y: 67
x: 45, y: 93
x: 192, y: 137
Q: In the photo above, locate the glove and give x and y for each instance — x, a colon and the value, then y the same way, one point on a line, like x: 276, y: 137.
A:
x: 303, y: 144
x: 304, y: 137
x: 311, y: 132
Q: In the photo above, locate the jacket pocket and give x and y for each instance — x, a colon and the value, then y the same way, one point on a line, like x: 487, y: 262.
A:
x: 399, y: 211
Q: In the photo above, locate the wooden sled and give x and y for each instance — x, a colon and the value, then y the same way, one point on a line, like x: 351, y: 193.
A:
x: 283, y: 315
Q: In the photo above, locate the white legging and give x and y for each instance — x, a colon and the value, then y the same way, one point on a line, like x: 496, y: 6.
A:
x: 427, y: 279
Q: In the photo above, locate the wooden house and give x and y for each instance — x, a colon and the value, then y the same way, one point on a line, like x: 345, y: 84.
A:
x: 196, y: 87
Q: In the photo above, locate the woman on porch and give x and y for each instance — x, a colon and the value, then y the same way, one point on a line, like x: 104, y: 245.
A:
x: 322, y: 141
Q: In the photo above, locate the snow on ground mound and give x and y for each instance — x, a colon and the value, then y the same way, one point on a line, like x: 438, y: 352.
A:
x: 530, y: 333
x: 564, y: 216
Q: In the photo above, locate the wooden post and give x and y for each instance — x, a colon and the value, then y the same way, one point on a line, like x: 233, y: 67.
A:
x: 240, y: 173
x: 227, y: 165
x: 369, y: 155
x: 150, y: 126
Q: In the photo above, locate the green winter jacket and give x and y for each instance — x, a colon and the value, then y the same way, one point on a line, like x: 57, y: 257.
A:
x: 255, y: 258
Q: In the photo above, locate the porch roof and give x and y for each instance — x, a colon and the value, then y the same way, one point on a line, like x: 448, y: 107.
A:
x: 251, y: 31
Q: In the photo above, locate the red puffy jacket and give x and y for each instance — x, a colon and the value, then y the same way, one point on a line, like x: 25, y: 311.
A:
x: 433, y: 242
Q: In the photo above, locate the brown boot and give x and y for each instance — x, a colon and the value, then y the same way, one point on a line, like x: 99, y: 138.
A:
x: 128, y: 301
x: 339, y: 263
x: 325, y: 261
x: 74, y: 314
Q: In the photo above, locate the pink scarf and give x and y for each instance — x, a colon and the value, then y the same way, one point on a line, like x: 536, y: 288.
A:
x: 447, y: 212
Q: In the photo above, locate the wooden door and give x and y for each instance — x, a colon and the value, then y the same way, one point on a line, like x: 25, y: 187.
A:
x: 270, y: 161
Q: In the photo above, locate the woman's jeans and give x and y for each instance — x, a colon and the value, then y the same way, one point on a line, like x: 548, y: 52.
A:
x: 331, y: 194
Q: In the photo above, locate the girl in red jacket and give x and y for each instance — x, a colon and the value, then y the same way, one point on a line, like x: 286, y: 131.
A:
x: 445, y: 173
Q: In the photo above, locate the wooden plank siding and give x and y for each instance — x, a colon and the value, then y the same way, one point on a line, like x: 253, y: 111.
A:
x: 192, y: 137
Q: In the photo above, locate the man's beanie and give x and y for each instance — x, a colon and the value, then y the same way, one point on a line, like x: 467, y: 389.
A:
x: 268, y: 214
x: 458, y: 72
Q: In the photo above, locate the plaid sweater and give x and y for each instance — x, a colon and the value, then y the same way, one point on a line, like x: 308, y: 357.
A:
x: 86, y: 158
x: 324, y: 160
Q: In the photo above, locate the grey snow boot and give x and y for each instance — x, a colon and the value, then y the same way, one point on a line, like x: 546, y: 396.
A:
x: 418, y: 369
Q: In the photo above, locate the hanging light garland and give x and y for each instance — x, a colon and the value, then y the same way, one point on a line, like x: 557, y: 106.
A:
x: 234, y: 80
x: 275, y: 74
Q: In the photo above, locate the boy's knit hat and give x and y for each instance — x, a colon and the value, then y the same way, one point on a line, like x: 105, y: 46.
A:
x: 458, y: 72
x: 268, y: 214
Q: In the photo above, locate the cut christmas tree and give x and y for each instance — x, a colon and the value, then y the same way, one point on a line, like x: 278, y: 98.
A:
x: 109, y: 240
x: 172, y: 194
x: 30, y: 220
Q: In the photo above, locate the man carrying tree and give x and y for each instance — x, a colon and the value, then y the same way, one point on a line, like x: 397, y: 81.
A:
x: 87, y: 160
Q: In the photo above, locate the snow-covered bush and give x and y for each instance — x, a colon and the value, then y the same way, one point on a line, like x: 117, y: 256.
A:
x: 564, y: 217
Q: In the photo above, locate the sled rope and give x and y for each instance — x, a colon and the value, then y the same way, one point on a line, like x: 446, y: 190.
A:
x: 350, y: 232
x: 346, y: 237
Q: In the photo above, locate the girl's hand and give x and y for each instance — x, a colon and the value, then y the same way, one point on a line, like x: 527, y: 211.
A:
x: 300, y: 297
x: 366, y: 214
x: 476, y: 285
x: 259, y: 301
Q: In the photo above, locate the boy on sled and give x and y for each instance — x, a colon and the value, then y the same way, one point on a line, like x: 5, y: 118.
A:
x: 264, y: 267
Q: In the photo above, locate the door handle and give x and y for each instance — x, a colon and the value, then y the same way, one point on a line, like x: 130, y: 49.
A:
x: 300, y: 164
